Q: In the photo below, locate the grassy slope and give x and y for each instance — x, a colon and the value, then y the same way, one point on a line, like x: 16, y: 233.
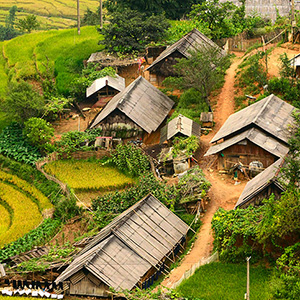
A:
x: 51, y: 13
x: 218, y: 281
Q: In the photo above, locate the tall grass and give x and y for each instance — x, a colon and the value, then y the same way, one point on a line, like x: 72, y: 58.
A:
x: 218, y: 281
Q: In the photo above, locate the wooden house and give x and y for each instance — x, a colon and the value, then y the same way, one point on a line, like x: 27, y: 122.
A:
x: 178, y: 127
x: 103, y: 89
x: 295, y: 63
x: 130, y: 252
x: 207, y: 119
x: 260, y: 132
x: 262, y: 186
x: 137, y: 111
x: 162, y: 67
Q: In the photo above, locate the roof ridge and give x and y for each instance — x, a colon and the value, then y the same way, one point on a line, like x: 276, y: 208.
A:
x: 263, y: 108
x: 127, y: 90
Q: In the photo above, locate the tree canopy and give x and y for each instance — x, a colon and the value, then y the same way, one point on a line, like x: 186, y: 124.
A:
x: 130, y: 31
x: 173, y: 9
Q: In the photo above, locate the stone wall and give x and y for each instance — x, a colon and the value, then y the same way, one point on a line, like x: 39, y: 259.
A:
x: 267, y: 7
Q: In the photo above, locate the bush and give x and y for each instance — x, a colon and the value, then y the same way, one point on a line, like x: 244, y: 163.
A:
x: 66, y: 209
x: 131, y: 159
x: 39, y: 133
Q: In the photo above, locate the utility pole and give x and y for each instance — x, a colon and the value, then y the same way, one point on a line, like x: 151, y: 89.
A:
x: 78, y: 18
x: 101, y: 16
x: 247, y: 295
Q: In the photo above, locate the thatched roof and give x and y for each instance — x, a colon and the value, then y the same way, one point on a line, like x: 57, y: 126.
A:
x: 271, y: 114
x: 257, y: 137
x: 270, y: 175
x: 141, y: 102
x: 192, y: 41
x: 126, y: 249
x: 182, y: 125
x: 117, y: 83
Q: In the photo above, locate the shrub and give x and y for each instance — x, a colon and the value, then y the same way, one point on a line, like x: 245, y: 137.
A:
x: 39, y: 133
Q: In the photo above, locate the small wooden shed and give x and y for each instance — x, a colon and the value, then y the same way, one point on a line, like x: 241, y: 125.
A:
x: 262, y: 186
x: 259, y: 132
x: 138, y: 110
x: 162, y: 67
x: 207, y: 119
x: 130, y: 252
x: 180, y: 126
x: 103, y: 89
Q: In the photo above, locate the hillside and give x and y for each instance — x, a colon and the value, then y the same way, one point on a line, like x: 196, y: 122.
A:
x: 51, y: 14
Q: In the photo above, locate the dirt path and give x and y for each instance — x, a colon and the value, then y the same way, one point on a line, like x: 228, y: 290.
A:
x: 223, y: 192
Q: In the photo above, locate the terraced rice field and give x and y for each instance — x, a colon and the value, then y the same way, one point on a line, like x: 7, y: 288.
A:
x: 50, y: 13
x: 24, y: 213
x: 88, y: 175
x: 21, y: 207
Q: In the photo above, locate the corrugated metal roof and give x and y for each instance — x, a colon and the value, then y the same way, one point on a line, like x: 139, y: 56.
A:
x: 122, y: 253
x: 190, y: 42
x: 295, y: 61
x: 260, y: 181
x: 143, y: 103
x: 256, y: 136
x: 271, y: 114
x: 118, y: 83
x: 180, y: 124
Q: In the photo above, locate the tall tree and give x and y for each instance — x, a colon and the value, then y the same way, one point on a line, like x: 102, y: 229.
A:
x: 203, y: 71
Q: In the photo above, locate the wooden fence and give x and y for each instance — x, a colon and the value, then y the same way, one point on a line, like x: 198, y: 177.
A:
x: 190, y: 272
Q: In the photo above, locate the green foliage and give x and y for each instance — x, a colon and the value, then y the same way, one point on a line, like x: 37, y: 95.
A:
x: 55, y: 107
x: 91, y: 18
x: 219, y: 281
x: 288, y: 85
x: 39, y: 133
x: 88, y: 75
x: 204, y: 71
x: 108, y: 206
x: 131, y: 159
x: 30, y: 174
x: 22, y: 102
x: 77, y: 140
x: 8, y: 31
x: 174, y: 9
x: 14, y: 145
x: 66, y: 208
x: 234, y: 232
x: 188, y: 145
x: 191, y: 104
x: 130, y: 31
x: 285, y: 283
x: 28, y: 23
x: 35, y: 237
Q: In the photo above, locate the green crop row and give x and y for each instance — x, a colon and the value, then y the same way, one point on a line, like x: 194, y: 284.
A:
x: 26, y: 215
x: 42, y: 201
x: 35, y: 237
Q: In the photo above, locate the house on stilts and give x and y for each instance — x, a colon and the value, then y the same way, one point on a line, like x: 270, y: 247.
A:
x: 132, y: 251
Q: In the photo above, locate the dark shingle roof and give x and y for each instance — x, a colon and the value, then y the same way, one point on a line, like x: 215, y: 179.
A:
x: 124, y: 251
x: 143, y: 103
x: 271, y: 114
x: 261, y: 181
x: 190, y: 42
x: 256, y: 136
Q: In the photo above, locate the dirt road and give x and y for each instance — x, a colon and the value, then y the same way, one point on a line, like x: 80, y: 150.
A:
x: 223, y: 192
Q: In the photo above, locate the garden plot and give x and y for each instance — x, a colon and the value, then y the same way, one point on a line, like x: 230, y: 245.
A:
x: 88, y: 176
